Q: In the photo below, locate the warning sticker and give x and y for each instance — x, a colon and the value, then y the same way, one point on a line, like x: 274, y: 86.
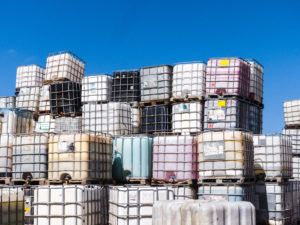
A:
x: 213, y: 150
x: 45, y: 126
x: 221, y: 103
x: 224, y: 62
x: 27, y: 209
x: 216, y: 114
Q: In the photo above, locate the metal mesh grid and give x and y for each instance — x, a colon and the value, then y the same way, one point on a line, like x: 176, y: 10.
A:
x: 225, y: 154
x: 45, y: 124
x: 80, y: 157
x: 292, y: 113
x: 296, y: 167
x: 156, y: 83
x: 30, y: 76
x: 227, y: 113
x: 28, y: 98
x: 294, y: 134
x: 187, y: 117
x: 30, y: 157
x: 156, y: 119
x: 44, y: 104
x: 133, y: 204
x: 227, y: 76
x: 68, y: 124
x: 8, y: 102
x: 16, y: 121
x: 274, y: 203
x: 175, y: 158
x: 64, y: 66
x: 112, y: 118
x: 189, y: 80
x: 96, y: 88
x: 65, y: 98
x: 126, y: 86
x: 135, y: 120
x: 273, y: 155
x: 6, y: 149
x: 296, y: 201
x: 228, y: 192
x: 256, y: 80
x: 127, y: 151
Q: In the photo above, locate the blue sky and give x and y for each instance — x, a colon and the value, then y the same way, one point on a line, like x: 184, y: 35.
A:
x: 113, y: 35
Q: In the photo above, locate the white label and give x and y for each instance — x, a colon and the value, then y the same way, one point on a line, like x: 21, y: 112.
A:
x: 93, y: 88
x: 65, y: 146
x: 216, y: 114
x: 213, y: 150
x: 44, y: 126
x: 215, y: 198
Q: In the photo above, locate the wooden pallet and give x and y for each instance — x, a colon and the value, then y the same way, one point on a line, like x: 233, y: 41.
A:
x: 28, y: 182
x: 67, y: 115
x: 187, y: 99
x: 154, y: 103
x: 227, y: 180
x: 57, y: 80
x: 47, y: 112
x: 277, y: 179
x: 64, y: 182
x: 158, y: 181
x: 139, y: 181
x: 5, y: 180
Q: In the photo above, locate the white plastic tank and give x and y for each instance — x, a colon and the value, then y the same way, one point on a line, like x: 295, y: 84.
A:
x: 256, y: 80
x: 291, y: 111
x: 44, y: 104
x: 45, y: 124
x: 96, y: 88
x: 68, y: 124
x: 135, y: 120
x: 296, y: 167
x: 225, y: 154
x: 6, y: 150
x: 189, y: 80
x: 30, y: 76
x: 294, y: 133
x: 29, y: 98
x: 8, y: 102
x: 201, y: 212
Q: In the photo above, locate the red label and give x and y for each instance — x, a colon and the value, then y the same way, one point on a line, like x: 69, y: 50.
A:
x: 209, y: 125
x: 212, y: 84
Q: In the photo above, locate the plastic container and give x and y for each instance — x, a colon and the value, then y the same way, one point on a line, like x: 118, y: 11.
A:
x: 296, y: 167
x: 113, y: 118
x: 291, y: 111
x: 29, y: 98
x: 227, y: 76
x: 126, y: 86
x: 128, y: 150
x: 96, y: 88
x: 80, y: 157
x: 200, y: 212
x: 294, y: 134
x: 225, y: 154
x: 256, y: 80
x: 30, y: 157
x: 44, y: 104
x: 189, y: 80
x: 187, y: 117
x: 135, y: 120
x: 68, y: 124
x: 156, y: 83
x: 175, y: 158
x: 64, y: 66
x: 8, y: 102
x: 6, y: 149
x: 45, y: 124
x: 30, y: 76
x: 273, y: 155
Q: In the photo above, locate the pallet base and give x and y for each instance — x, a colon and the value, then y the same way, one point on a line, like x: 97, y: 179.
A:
x: 29, y: 182
x: 139, y: 181
x: 47, y: 112
x: 158, y: 181
x: 57, y: 80
x: 277, y: 179
x: 64, y: 182
x: 240, y: 180
x: 154, y: 103
x: 5, y: 180
x: 186, y: 99
x: 224, y: 96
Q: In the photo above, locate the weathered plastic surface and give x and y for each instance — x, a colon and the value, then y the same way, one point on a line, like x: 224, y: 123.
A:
x: 113, y: 118
x: 225, y: 154
x: 6, y: 149
x: 227, y: 192
x: 274, y: 203
x: 64, y: 65
x: 256, y: 80
x: 96, y: 88
x: 44, y: 104
x: 187, y: 117
x: 189, y: 80
x: 132, y: 157
x: 8, y: 102
x: 45, y: 124
x: 68, y: 124
x: 296, y: 167
x: 135, y: 120
x: 16, y: 121
x: 273, y: 155
x: 82, y: 156
x: 29, y: 98
x: 231, y: 113
x: 30, y: 157
x: 156, y: 83
x: 291, y: 111
x: 11, y: 205
x: 229, y: 76
x: 175, y: 157
x: 132, y: 205
x: 62, y: 205
x: 200, y: 212
x: 294, y: 133
x: 30, y: 76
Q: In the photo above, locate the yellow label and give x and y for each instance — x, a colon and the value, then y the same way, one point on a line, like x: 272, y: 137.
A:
x: 224, y: 62
x: 26, y: 209
x: 221, y: 103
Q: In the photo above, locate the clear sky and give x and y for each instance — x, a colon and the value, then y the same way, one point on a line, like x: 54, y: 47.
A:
x: 113, y: 35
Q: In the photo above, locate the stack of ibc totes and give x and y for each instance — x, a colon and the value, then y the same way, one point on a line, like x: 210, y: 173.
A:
x: 292, y: 129
x: 156, y: 84
x: 277, y: 196
x: 188, y: 92
x: 62, y: 91
x: 234, y: 94
x: 99, y: 113
x: 126, y: 89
